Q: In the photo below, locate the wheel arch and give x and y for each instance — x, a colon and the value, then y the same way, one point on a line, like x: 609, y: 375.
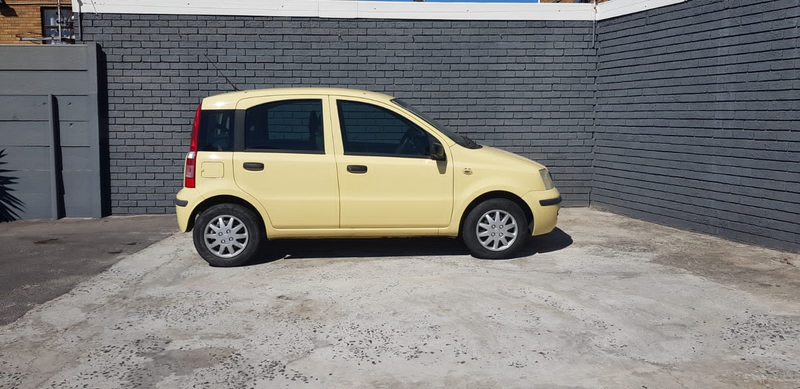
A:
x: 498, y: 194
x: 223, y: 199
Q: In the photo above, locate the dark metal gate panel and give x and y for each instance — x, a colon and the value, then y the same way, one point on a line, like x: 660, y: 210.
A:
x: 50, y: 164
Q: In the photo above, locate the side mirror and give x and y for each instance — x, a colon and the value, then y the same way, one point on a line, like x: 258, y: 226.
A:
x: 437, y: 151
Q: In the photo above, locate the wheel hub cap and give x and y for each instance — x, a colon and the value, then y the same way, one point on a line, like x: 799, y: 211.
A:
x: 496, y: 230
x: 226, y: 236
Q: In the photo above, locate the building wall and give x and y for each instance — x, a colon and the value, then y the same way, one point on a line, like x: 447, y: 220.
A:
x: 23, y: 18
x: 526, y: 86
x: 685, y: 115
x: 697, y: 118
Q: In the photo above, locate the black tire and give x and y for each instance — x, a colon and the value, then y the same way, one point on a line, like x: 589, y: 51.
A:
x: 485, y: 246
x: 234, y: 217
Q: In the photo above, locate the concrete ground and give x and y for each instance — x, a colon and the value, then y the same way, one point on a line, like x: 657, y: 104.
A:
x: 605, y: 302
x: 43, y: 259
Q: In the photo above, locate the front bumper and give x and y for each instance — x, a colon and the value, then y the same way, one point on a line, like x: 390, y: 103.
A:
x: 544, y: 205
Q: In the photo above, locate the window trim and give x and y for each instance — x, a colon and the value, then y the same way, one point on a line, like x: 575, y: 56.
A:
x: 241, y: 128
x: 342, y: 131
x: 283, y: 151
x: 360, y: 154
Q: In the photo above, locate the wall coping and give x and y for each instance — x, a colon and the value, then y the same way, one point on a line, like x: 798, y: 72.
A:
x: 352, y: 9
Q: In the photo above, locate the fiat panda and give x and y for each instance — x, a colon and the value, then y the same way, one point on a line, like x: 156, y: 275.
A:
x: 338, y: 163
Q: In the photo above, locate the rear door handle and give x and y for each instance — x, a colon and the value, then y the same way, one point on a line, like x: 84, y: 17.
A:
x: 254, y: 166
x: 357, y: 169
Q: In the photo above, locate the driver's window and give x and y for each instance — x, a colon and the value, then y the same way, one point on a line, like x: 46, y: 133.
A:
x: 372, y: 130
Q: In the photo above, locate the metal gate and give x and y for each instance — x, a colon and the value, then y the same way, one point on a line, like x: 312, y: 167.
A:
x: 50, y: 143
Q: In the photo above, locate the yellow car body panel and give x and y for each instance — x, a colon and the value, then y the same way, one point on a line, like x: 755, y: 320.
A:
x: 545, y: 217
x: 486, y: 170
x: 315, y: 195
x: 395, y: 192
x: 210, y: 187
x: 300, y: 190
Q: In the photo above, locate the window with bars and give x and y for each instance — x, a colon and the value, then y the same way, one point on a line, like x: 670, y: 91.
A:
x: 58, y: 25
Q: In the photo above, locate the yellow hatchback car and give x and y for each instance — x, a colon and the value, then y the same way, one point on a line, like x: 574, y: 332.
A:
x: 334, y: 163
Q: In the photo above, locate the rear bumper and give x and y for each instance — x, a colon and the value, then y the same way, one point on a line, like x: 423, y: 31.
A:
x: 185, y: 202
x: 544, y: 205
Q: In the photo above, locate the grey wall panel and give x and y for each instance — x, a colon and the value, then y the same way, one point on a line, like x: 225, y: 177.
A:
x: 75, y: 133
x: 74, y: 108
x: 36, y: 205
x: 24, y: 133
x: 697, y: 118
x: 32, y: 188
x: 36, y: 82
x: 20, y: 158
x: 58, y: 58
x: 76, y: 158
x: 79, y: 199
x: 33, y: 79
x: 15, y: 107
x: 32, y: 181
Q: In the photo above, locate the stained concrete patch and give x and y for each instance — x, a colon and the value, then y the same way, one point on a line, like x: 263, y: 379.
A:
x: 622, y: 303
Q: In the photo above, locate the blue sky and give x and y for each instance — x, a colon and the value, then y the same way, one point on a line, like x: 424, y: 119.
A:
x: 471, y: 1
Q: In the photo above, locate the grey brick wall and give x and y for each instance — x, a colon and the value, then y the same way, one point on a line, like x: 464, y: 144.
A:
x: 698, y: 107
x: 527, y: 87
x: 685, y: 115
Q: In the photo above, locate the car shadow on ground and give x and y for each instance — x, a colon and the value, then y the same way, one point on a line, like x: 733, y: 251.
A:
x: 396, y: 247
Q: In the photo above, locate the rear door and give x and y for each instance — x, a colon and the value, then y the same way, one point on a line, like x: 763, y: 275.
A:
x: 387, y: 178
x: 284, y: 158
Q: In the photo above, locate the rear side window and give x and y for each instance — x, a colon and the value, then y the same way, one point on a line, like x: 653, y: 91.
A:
x: 293, y: 126
x: 216, y: 131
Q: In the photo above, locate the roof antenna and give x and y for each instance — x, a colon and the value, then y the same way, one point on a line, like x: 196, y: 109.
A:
x: 222, y: 74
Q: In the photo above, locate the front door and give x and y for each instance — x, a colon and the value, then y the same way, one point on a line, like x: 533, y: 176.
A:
x: 387, y: 178
x: 287, y: 162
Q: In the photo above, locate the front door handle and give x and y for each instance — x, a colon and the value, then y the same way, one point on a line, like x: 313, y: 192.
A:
x: 254, y: 166
x: 357, y: 169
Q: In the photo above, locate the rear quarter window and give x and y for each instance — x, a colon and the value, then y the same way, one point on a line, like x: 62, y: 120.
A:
x: 216, y: 130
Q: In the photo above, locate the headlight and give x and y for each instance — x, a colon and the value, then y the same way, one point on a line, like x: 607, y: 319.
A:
x: 546, y: 179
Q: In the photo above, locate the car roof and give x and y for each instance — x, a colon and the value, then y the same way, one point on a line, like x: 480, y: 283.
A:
x: 229, y: 100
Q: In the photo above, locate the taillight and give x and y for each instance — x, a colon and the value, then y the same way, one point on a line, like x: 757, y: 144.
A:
x: 191, y: 157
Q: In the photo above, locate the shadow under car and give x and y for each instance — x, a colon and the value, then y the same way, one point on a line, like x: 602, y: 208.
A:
x: 395, y: 247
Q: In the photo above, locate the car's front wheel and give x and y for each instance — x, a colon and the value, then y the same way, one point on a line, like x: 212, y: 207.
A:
x: 495, y: 229
x: 227, y: 235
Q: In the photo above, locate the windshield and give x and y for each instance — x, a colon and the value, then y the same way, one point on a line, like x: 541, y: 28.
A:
x: 462, y: 140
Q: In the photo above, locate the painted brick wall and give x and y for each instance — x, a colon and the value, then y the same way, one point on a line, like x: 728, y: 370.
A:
x: 698, y: 106
x: 523, y: 86
x: 695, y: 123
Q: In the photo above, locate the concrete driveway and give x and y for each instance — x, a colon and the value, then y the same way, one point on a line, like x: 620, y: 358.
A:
x: 606, y: 302
x: 43, y: 259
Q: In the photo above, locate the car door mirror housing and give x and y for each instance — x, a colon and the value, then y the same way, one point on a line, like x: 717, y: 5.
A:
x: 437, y: 151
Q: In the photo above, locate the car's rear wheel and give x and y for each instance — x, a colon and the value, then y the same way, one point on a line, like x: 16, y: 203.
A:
x: 495, y: 229
x: 227, y: 235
